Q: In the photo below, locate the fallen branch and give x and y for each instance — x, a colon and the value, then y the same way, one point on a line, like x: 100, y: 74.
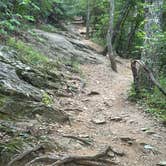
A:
x: 24, y: 154
x: 78, y: 138
x: 84, y: 160
x: 148, y: 71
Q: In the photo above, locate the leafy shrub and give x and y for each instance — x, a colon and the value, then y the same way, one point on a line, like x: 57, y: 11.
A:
x: 16, y: 14
x: 155, y: 101
x: 46, y: 99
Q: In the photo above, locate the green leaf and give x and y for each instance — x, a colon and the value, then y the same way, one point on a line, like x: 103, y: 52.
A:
x: 29, y: 18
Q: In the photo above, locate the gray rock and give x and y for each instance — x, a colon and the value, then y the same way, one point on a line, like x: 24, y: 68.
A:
x: 162, y: 163
x: 11, y: 84
x: 99, y: 120
x: 66, y: 46
x: 22, y: 88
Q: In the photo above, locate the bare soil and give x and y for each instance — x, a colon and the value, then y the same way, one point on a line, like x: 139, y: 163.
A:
x: 102, y: 115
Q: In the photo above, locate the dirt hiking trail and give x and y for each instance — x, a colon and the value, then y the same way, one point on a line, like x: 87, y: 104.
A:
x: 102, y: 116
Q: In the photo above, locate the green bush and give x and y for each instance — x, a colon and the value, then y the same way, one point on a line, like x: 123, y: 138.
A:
x: 15, y: 14
x: 154, y: 101
x: 47, y: 99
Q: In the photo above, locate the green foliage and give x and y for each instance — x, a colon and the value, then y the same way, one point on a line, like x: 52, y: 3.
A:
x: 100, y: 41
x: 130, y: 37
x: 10, y: 148
x: 161, y: 52
x: 72, y: 64
x: 156, y: 104
x: 49, y: 28
x: 2, y: 100
x: 129, y: 41
x: 132, y: 95
x: 100, y: 19
x: 14, y: 14
x: 27, y: 53
x: 47, y: 99
x: 154, y: 101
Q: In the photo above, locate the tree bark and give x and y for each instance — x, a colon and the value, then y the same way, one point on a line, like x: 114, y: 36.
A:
x: 152, y: 28
x: 88, y: 19
x: 132, y: 33
x: 121, y: 19
x: 110, y: 35
x: 148, y: 72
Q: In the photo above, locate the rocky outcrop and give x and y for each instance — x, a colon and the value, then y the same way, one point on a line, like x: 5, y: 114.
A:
x: 65, y: 45
x: 30, y: 93
x: 22, y: 85
x: 22, y: 88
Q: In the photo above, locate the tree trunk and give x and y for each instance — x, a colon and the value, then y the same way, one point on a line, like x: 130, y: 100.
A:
x: 148, y: 72
x: 152, y: 29
x: 110, y: 35
x: 121, y: 19
x: 132, y: 33
x: 149, y: 55
x: 88, y: 19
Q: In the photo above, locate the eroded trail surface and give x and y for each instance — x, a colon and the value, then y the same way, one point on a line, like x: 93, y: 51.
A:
x: 102, y: 116
x: 63, y: 113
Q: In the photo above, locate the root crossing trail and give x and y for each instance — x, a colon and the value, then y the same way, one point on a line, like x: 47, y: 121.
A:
x: 102, y: 116
x: 107, y: 118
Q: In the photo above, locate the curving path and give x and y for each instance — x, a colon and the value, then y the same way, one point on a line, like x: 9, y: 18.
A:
x: 103, y: 116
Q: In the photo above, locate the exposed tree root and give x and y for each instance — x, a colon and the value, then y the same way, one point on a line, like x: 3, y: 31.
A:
x: 95, y: 163
x: 25, y: 154
x: 96, y: 160
x: 44, y: 159
x: 100, y: 159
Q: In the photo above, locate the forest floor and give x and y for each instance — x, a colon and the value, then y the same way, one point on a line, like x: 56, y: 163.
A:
x: 102, y: 116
